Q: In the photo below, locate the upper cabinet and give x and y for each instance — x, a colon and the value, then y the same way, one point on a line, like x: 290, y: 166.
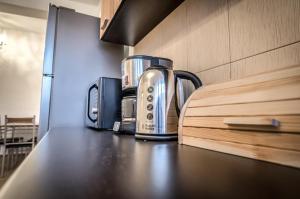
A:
x: 108, y: 9
x: 128, y: 21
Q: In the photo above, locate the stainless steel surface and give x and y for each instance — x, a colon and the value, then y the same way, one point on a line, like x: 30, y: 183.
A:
x: 129, y: 108
x: 47, y: 72
x: 73, y: 69
x: 128, y: 114
x: 157, y: 111
x: 134, y: 66
x: 184, y: 89
x: 155, y: 98
x: 164, y: 62
x: 132, y: 69
x: 128, y: 126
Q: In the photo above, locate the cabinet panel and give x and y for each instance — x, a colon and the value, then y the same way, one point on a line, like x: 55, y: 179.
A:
x: 257, y: 26
x: 208, y: 44
x: 267, y: 62
x: 108, y: 9
x: 215, y: 75
x: 174, y: 37
x: 150, y: 44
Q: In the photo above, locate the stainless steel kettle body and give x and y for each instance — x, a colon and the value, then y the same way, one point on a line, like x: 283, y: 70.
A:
x: 157, y: 109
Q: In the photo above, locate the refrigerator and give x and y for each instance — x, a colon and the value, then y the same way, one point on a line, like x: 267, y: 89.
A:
x: 73, y: 58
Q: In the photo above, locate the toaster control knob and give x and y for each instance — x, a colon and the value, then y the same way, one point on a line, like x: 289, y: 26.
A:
x: 149, y: 116
x: 149, y: 98
x: 149, y: 107
x: 150, y: 89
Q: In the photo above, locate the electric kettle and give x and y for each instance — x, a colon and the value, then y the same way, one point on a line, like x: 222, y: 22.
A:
x: 157, y: 102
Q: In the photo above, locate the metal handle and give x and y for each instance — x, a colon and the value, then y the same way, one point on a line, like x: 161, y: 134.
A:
x: 104, y: 24
x: 252, y: 121
x: 88, y: 108
x: 48, y: 75
x: 188, y: 76
x: 94, y: 110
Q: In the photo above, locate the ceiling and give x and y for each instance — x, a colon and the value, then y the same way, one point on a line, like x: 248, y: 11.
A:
x: 88, y: 7
x: 22, y: 23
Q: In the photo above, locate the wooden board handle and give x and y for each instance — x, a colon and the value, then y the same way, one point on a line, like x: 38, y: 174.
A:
x: 255, y: 121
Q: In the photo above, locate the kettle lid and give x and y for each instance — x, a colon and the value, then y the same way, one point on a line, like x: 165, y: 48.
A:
x: 144, y: 57
x: 162, y: 62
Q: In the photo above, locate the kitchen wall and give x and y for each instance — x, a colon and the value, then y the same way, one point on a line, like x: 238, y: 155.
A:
x: 223, y: 40
x: 21, y: 60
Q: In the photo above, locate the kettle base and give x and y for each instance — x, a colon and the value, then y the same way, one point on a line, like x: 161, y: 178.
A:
x: 156, y: 137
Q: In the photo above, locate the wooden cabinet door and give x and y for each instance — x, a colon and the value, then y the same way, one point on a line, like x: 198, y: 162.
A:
x: 108, y: 9
x: 116, y: 5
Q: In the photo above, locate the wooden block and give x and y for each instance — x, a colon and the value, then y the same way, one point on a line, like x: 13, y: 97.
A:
x: 289, y: 124
x: 255, y: 138
x: 285, y: 157
x: 283, y: 89
x: 291, y: 107
x: 292, y: 71
x: 256, y: 117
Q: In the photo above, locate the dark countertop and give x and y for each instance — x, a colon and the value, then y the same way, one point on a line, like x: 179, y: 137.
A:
x: 82, y: 163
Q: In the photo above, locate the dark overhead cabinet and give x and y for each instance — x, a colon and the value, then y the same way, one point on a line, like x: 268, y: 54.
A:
x: 134, y: 19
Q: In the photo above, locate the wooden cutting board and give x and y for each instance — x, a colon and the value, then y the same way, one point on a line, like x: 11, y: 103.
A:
x: 256, y: 117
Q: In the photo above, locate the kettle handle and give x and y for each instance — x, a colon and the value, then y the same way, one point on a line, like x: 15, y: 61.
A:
x: 188, y: 76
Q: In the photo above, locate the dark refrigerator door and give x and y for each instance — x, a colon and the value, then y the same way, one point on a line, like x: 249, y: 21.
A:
x: 47, y: 72
x: 80, y: 58
x: 45, y: 106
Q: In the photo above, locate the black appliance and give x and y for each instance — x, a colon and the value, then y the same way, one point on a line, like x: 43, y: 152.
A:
x: 103, y: 106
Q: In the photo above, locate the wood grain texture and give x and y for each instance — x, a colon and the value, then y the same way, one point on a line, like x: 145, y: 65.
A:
x: 208, y: 33
x: 182, y: 117
x: 267, y: 62
x: 257, y: 26
x: 267, y: 139
x: 231, y: 117
x: 279, y: 156
x: 174, y: 37
x: 291, y: 107
x: 20, y: 120
x: 289, y: 124
x: 283, y: 89
x: 261, y: 78
x: 107, y: 12
x: 150, y: 44
x: 262, y: 35
x: 116, y: 5
x: 215, y: 75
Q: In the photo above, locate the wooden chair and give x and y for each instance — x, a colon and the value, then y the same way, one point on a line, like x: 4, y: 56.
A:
x: 18, y: 136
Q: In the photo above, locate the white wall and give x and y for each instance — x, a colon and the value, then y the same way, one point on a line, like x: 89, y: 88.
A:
x: 21, y: 61
x: 88, y: 7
